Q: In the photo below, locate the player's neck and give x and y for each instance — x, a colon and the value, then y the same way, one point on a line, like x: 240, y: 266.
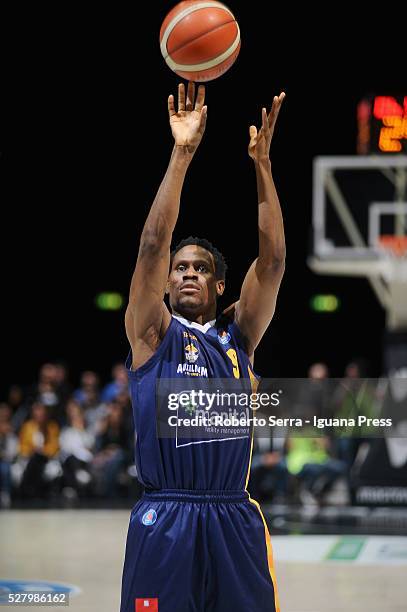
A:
x: 201, y: 319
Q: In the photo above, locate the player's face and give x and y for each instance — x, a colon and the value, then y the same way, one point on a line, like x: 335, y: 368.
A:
x: 192, y: 283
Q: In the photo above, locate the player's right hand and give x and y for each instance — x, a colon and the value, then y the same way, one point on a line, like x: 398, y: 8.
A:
x: 188, y: 123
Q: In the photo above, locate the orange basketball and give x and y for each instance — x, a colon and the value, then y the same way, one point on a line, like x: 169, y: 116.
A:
x: 200, y: 40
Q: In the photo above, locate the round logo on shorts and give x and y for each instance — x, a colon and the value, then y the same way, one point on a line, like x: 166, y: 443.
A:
x: 149, y: 517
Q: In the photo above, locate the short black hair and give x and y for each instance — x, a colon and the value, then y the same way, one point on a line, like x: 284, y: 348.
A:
x: 220, y: 263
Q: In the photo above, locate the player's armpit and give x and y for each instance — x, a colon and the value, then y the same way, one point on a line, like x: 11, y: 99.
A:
x: 258, y: 296
x: 143, y: 347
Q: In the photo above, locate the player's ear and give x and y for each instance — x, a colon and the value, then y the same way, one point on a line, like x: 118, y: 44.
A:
x: 167, y: 287
x: 220, y: 287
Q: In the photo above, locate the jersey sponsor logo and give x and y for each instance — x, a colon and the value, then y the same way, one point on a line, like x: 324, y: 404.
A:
x: 144, y: 604
x: 192, y: 370
x: 224, y: 337
x: 149, y: 517
x: 189, y: 336
x: 191, y: 353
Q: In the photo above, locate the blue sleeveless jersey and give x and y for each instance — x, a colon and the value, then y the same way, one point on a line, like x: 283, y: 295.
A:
x: 195, y: 521
x: 188, y: 349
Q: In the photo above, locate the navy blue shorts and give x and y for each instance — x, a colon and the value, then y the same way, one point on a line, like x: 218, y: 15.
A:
x: 198, y: 551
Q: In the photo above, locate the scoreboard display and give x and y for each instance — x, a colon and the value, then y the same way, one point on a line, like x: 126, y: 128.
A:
x: 382, y: 124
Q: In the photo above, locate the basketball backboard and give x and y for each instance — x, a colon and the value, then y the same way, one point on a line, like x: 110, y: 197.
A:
x: 360, y: 224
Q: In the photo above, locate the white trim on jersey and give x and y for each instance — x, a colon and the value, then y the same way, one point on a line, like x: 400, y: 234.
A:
x: 193, y: 325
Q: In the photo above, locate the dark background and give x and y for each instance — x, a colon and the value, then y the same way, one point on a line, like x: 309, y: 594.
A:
x: 77, y: 188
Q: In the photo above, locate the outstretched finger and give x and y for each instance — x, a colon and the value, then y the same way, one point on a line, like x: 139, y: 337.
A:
x: 264, y: 120
x: 181, y: 97
x: 200, y: 98
x: 190, y: 95
x: 204, y: 114
x: 275, y: 109
x: 171, y: 106
x: 252, y: 132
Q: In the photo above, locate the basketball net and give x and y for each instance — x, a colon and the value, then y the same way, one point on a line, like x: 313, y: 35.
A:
x: 394, y: 251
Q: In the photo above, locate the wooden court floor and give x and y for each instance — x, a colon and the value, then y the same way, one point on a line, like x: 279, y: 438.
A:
x: 85, y: 549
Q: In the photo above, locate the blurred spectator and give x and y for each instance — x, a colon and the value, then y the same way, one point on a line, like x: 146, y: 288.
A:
x: 353, y: 396
x: 123, y: 398
x: 44, y: 389
x: 19, y: 407
x: 268, y: 474
x: 113, y: 447
x: 315, y: 393
x: 76, y: 452
x: 88, y: 395
x: 309, y: 460
x: 318, y: 371
x: 39, y: 443
x: 118, y: 384
x: 90, y: 382
x: 62, y: 386
x: 8, y: 451
x: 15, y: 398
x: 46, y: 392
x: 357, y: 368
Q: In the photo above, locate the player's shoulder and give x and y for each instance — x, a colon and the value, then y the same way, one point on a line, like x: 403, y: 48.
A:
x: 227, y: 316
x: 227, y: 321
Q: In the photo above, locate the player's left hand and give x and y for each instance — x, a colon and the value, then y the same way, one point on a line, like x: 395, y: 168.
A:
x: 259, y: 145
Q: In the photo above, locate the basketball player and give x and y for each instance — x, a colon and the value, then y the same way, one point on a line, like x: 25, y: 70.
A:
x: 196, y: 541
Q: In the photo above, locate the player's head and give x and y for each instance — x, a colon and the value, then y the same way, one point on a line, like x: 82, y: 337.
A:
x: 196, y: 278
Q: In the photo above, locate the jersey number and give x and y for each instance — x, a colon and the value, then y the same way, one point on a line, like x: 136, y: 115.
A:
x: 231, y: 353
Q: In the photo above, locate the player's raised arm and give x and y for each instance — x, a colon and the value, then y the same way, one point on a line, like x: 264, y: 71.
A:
x: 147, y: 317
x: 256, y: 305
